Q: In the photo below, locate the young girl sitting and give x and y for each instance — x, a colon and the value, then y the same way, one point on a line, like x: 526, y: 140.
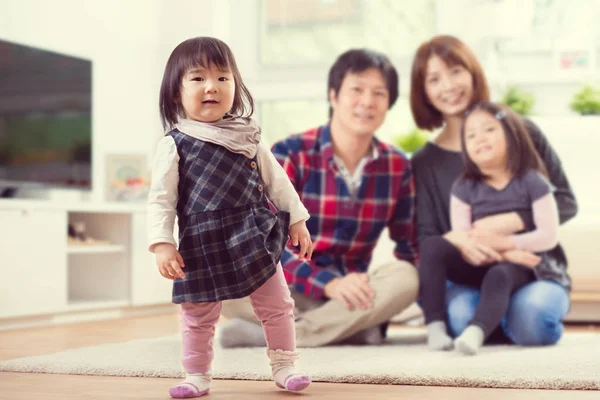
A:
x: 503, y: 173
x: 212, y: 172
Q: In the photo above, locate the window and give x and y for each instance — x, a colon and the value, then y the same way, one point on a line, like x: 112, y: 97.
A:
x: 298, y: 41
x: 546, y: 47
x: 313, y: 32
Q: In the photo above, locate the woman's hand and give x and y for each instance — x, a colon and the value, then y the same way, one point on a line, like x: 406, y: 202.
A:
x: 498, y: 242
x: 169, y: 261
x: 473, y: 251
x: 503, y: 224
x: 522, y: 257
x: 300, y: 236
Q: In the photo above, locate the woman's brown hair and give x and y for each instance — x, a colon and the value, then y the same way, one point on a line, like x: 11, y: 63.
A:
x: 453, y: 52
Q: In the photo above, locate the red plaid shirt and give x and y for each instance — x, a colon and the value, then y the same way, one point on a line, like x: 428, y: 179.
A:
x: 345, y: 230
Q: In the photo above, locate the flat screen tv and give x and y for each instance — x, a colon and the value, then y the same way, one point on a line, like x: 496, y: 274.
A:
x: 45, y: 118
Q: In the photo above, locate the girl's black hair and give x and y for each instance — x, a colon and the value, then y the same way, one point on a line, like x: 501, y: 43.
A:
x: 193, y: 53
x: 521, y: 153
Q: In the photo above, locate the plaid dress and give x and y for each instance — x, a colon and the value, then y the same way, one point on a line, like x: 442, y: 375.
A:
x: 229, y: 238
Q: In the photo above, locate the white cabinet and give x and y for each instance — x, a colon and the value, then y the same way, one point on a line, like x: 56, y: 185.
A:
x: 33, y: 275
x: 99, y: 275
x: 41, y: 273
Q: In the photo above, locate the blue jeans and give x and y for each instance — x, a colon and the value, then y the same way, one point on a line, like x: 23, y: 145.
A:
x: 534, y: 316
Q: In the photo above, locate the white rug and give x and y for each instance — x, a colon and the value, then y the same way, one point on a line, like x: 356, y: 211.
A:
x: 573, y: 364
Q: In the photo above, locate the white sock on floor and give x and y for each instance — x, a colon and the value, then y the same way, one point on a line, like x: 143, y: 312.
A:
x: 470, y: 340
x: 437, y: 336
x: 201, y: 381
x: 194, y: 385
x: 284, y: 373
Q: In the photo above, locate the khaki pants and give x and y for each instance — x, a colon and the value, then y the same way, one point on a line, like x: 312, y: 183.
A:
x: 320, y: 323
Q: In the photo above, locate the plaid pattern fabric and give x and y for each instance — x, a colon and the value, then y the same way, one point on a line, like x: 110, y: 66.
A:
x: 229, y: 238
x: 345, y: 230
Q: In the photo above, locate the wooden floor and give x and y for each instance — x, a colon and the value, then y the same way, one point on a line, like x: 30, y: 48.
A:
x: 29, y: 342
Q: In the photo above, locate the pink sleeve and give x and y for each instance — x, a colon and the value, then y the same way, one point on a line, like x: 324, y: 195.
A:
x: 545, y: 235
x: 460, y: 215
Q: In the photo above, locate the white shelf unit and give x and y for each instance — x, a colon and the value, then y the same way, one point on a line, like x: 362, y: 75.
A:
x: 94, y: 304
x: 100, y: 276
x: 94, y: 249
x: 51, y: 277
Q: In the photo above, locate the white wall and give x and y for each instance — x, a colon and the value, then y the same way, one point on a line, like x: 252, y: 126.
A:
x: 128, y: 43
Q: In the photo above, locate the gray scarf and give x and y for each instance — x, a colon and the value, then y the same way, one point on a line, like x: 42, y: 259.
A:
x: 237, y: 134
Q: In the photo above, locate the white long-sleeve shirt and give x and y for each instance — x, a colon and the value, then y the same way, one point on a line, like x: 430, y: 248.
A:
x: 162, y: 198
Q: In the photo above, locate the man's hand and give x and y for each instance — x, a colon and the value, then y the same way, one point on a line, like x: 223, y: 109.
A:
x: 473, y: 251
x: 503, y: 224
x: 169, y: 261
x: 353, y: 291
x: 522, y: 257
x: 299, y: 235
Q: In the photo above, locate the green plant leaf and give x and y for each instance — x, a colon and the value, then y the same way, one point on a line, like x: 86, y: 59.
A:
x: 412, y: 141
x: 586, y: 101
x: 519, y: 101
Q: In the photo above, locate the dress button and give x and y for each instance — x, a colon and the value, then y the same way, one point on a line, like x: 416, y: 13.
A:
x: 253, y: 164
x: 260, y: 188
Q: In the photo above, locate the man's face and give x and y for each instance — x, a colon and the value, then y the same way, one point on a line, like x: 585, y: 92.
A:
x: 361, y: 103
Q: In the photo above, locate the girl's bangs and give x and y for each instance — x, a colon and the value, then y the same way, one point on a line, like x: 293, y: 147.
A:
x: 206, y: 54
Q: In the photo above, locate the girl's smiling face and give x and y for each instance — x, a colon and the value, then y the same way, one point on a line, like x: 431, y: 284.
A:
x: 485, y: 140
x: 207, y: 94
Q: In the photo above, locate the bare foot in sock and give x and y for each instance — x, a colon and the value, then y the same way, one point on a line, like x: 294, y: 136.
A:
x: 437, y: 336
x: 194, y: 385
x: 469, y: 342
x: 241, y: 333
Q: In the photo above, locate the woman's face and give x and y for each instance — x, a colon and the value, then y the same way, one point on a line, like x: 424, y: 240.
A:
x: 448, y: 88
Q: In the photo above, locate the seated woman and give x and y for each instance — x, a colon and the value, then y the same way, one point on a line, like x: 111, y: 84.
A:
x: 446, y: 80
x: 503, y: 173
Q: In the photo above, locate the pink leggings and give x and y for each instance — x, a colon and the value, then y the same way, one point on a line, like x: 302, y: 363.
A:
x: 273, y: 306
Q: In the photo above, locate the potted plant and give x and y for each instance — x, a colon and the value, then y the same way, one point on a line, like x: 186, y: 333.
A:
x: 587, y: 101
x: 519, y: 101
x: 412, y: 141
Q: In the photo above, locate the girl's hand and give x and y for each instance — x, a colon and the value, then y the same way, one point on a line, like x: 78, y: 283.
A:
x: 299, y: 235
x: 169, y: 261
x: 473, y: 251
x: 522, y: 257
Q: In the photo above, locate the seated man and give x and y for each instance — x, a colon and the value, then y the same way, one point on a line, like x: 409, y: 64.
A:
x: 353, y: 186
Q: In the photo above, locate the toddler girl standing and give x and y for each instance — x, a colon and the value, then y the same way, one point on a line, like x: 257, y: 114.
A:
x: 212, y: 172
